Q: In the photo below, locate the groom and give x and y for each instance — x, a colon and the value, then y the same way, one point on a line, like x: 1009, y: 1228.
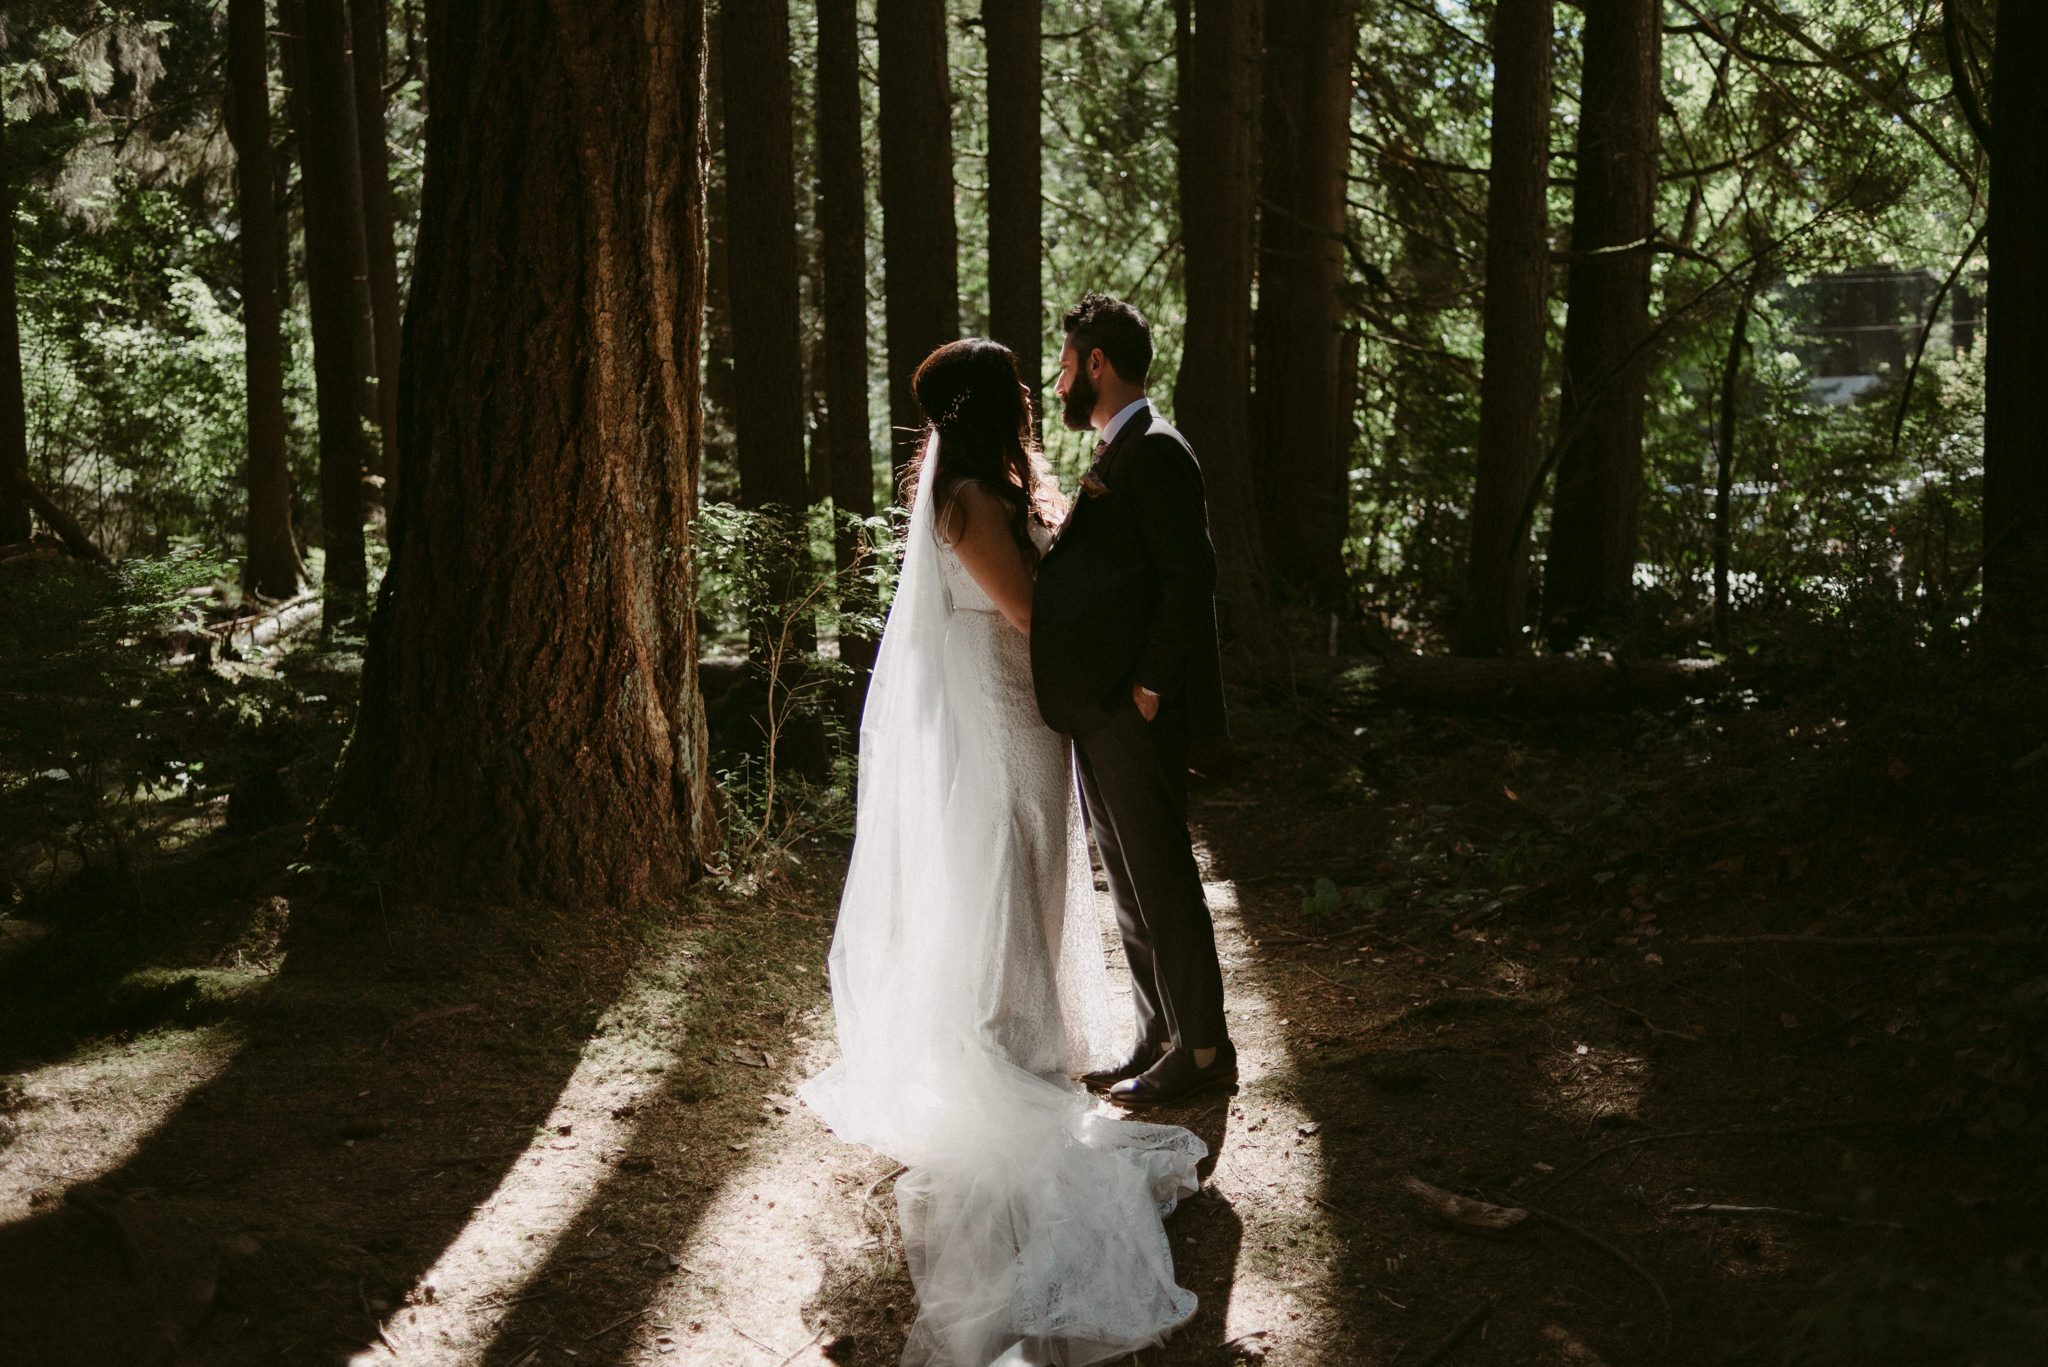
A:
x: 1124, y: 660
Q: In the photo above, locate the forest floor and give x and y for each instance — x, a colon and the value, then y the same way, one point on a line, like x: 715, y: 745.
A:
x: 260, y: 1111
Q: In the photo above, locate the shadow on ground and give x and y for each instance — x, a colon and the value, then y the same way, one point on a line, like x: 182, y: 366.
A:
x: 1490, y: 1052
x: 391, y: 1076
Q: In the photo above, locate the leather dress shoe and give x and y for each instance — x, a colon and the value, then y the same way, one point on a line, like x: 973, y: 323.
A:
x: 1175, y: 1078
x: 1143, y: 1055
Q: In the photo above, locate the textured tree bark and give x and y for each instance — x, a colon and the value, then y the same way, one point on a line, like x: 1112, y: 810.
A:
x: 15, y: 523
x: 1016, y: 291
x: 1219, y: 136
x: 1516, y: 321
x: 1303, y: 460
x: 272, y: 567
x: 531, y: 725
x: 380, y: 249
x: 1592, y: 554
x: 324, y: 109
x: 920, y: 242
x: 842, y: 249
x: 2016, y: 359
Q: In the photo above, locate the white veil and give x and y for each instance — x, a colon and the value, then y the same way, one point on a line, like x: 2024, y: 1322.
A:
x: 1030, y: 1225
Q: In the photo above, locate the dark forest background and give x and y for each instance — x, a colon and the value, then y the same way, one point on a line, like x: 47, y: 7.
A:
x: 448, y: 456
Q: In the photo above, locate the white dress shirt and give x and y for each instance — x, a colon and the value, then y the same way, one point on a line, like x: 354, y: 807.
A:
x: 1124, y: 415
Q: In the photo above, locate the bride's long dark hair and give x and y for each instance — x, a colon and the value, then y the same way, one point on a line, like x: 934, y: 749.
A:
x: 972, y: 397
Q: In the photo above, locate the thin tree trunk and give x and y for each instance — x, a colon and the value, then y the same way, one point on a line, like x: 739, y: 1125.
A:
x: 325, y: 110
x: 2016, y: 358
x: 1516, y: 321
x: 920, y: 241
x: 761, y: 256
x: 1218, y: 46
x: 531, y: 726
x: 1016, y: 291
x: 380, y: 248
x: 272, y: 567
x: 842, y: 251
x: 15, y: 523
x: 1591, y: 562
x: 718, y: 381
x: 761, y: 262
x: 1724, y: 467
x: 1305, y: 128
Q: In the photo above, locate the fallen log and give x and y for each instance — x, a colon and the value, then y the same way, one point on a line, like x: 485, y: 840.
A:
x: 1540, y: 682
x: 61, y: 522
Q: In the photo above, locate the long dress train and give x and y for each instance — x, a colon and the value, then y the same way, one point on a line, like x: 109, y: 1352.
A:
x: 968, y: 984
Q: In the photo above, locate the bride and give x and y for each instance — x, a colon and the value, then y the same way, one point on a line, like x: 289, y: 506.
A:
x: 967, y: 969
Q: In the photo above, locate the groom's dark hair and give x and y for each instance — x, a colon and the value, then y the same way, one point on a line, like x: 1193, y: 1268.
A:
x: 1121, y: 332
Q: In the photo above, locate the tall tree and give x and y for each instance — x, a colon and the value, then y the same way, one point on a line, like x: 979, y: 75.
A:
x: 324, y: 108
x: 842, y: 250
x: 718, y: 395
x: 1516, y: 319
x: 920, y: 241
x: 761, y: 274
x: 14, y: 506
x: 1016, y: 292
x: 272, y: 567
x: 2016, y: 356
x: 761, y: 255
x: 531, y: 726
x: 1218, y: 57
x: 1303, y: 446
x: 369, y: 40
x: 1591, y: 562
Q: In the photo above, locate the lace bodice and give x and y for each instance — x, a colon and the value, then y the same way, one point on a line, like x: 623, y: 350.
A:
x: 962, y: 591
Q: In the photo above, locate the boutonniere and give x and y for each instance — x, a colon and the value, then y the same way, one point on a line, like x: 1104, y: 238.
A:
x: 1092, y: 485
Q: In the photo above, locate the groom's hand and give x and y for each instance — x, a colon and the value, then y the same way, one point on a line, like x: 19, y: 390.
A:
x: 1147, y: 701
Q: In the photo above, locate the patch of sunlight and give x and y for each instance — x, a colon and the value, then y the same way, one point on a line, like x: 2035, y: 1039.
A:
x: 72, y: 1122
x: 1270, y: 1172
x: 547, y: 1190
x: 1596, y: 1084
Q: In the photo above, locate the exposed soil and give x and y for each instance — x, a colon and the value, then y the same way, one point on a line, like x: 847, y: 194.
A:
x: 302, y: 1120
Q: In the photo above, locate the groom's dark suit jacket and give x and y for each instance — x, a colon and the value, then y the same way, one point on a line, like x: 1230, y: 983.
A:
x: 1127, y: 593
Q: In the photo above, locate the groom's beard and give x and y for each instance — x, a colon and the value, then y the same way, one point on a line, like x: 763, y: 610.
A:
x: 1082, y: 396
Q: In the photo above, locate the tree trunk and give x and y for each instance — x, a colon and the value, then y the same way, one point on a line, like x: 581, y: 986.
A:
x: 272, y: 568
x: 1304, y: 462
x: 1218, y: 43
x: 767, y: 350
x: 15, y: 523
x: 2016, y: 411
x: 920, y: 243
x: 1516, y: 320
x: 842, y: 250
x: 380, y: 248
x: 718, y: 395
x: 1724, y: 467
x: 761, y: 257
x: 1016, y: 292
x: 1591, y: 562
x: 531, y: 726
x: 324, y: 108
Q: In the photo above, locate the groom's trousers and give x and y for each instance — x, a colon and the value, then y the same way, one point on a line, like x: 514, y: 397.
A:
x: 1134, y: 785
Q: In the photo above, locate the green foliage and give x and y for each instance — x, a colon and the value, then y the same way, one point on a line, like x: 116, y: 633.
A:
x: 782, y: 750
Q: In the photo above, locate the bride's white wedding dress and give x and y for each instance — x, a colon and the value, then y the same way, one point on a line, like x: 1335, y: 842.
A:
x: 968, y: 984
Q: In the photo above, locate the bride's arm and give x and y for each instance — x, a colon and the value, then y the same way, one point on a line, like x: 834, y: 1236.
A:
x: 978, y: 526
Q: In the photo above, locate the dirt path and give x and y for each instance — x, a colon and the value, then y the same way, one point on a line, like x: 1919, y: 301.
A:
x: 381, y: 1135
